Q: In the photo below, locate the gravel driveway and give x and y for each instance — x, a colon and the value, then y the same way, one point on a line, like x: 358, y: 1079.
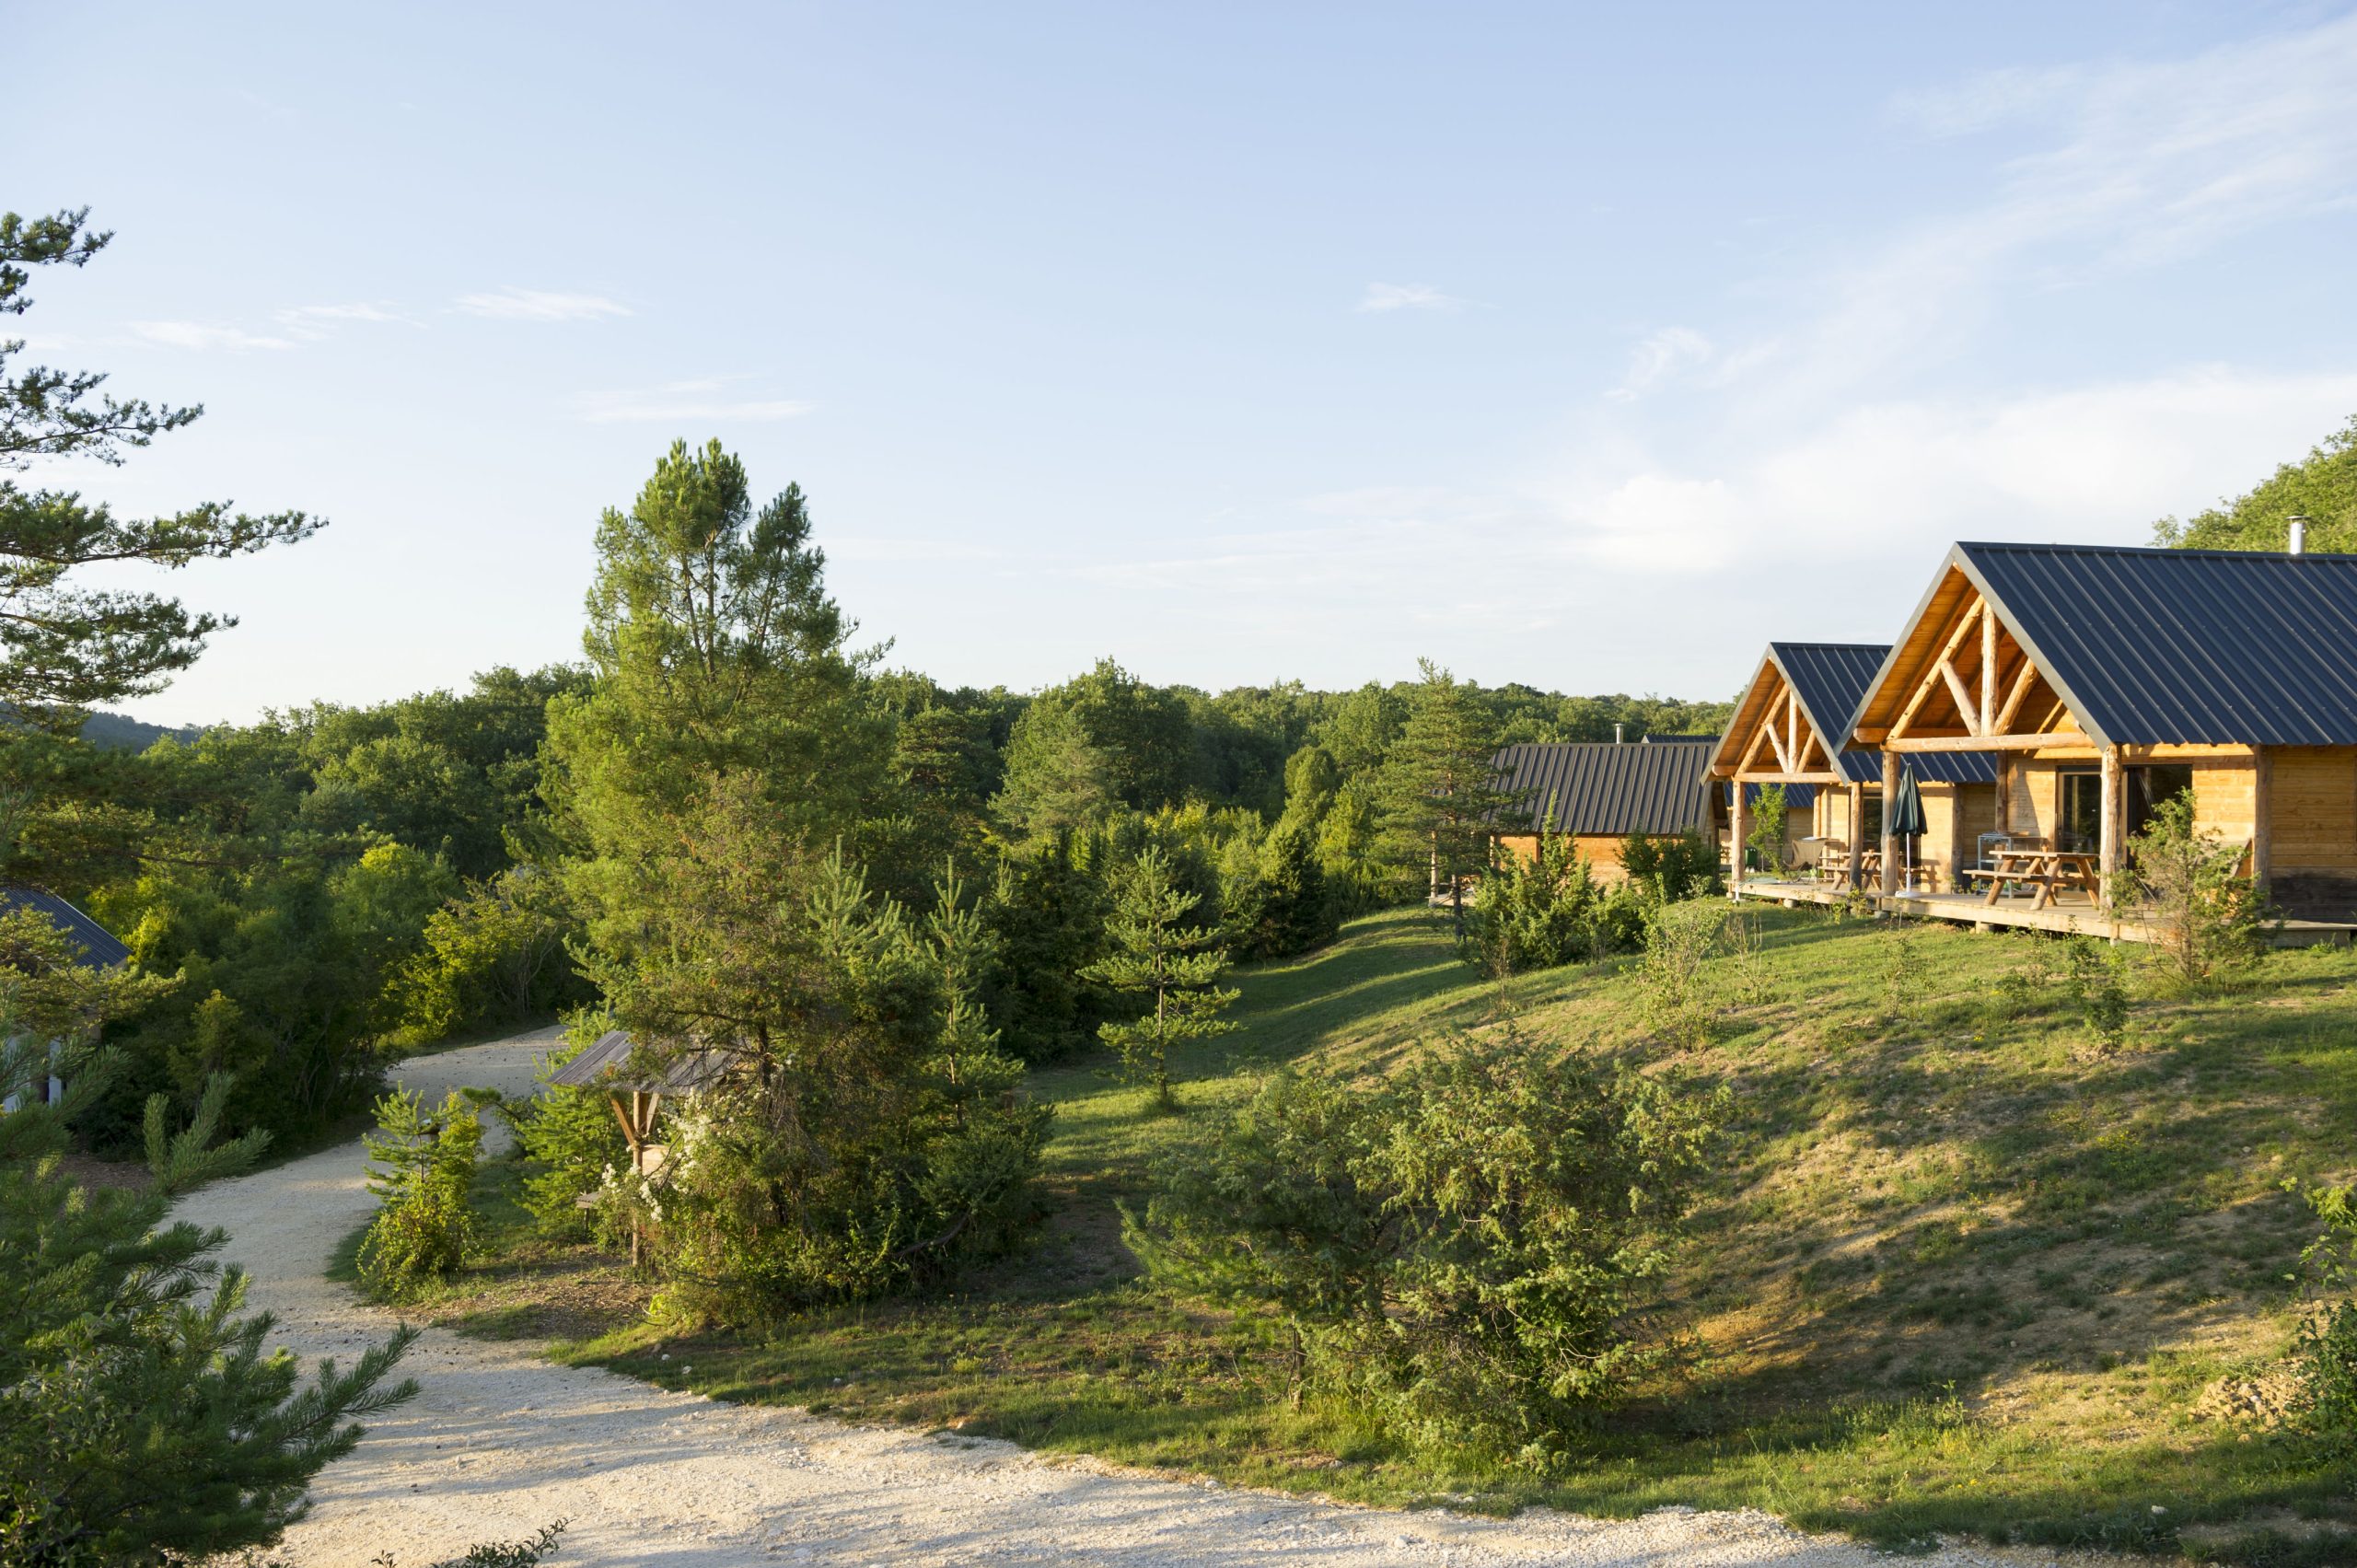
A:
x: 500, y: 1443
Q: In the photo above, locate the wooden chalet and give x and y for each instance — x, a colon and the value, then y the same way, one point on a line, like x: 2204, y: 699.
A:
x: 1791, y: 729
x: 2104, y: 680
x: 1599, y: 793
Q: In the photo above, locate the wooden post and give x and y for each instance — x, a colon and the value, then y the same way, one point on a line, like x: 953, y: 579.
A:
x: 1988, y: 669
x: 1735, y: 849
x: 2004, y: 823
x: 2262, y: 810
x: 2108, y: 840
x: 1856, y: 834
x: 1890, y: 840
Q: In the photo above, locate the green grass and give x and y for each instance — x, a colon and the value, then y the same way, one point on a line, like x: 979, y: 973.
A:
x: 1962, y: 1270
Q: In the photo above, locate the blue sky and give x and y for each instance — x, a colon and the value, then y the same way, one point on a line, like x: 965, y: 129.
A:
x: 1587, y: 347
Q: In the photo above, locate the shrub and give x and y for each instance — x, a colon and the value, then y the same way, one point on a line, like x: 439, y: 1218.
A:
x: 424, y: 1229
x: 1678, y: 947
x: 1674, y: 869
x: 1465, y: 1251
x: 2096, y: 979
x: 1766, y: 839
x: 2326, y: 1349
x: 1537, y: 913
x: 2205, y: 916
x: 572, y: 1138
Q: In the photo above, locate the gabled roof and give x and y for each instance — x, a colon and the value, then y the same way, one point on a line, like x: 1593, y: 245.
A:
x: 606, y: 1064
x: 2176, y: 646
x: 1599, y: 788
x: 100, y: 950
x: 1831, y: 679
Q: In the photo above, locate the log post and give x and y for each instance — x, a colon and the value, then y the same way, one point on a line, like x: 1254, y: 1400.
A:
x: 1856, y: 835
x: 2005, y: 822
x: 1890, y: 840
x: 1735, y: 828
x: 2108, y: 840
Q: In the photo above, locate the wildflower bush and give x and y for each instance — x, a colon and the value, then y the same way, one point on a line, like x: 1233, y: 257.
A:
x: 1465, y: 1251
x: 423, y: 1164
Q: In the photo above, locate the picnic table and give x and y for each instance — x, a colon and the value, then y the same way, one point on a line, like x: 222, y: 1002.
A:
x: 2047, y: 870
x: 1835, y: 864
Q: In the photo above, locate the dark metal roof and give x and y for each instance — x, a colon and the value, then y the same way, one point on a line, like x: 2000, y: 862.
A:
x: 100, y: 950
x: 2183, y: 646
x: 606, y: 1064
x: 1654, y: 786
x: 1831, y: 679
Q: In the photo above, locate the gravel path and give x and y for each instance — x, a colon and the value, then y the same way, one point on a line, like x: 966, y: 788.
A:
x: 500, y: 1443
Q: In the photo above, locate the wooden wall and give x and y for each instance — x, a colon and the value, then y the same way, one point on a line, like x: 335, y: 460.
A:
x: 2312, y: 810
x: 1602, y: 854
x: 1955, y: 816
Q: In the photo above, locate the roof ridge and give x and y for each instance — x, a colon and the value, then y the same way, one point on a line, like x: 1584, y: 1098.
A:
x: 2172, y: 552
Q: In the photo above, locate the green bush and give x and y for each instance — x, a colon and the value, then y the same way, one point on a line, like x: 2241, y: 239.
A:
x: 424, y: 1229
x: 2326, y: 1349
x: 571, y: 1140
x: 1672, y: 868
x: 1540, y: 912
x: 1465, y: 1251
x: 1680, y: 941
x: 2207, y: 919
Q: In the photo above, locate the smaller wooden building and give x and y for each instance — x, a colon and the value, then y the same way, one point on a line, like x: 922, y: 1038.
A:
x: 1598, y: 794
x: 1791, y: 730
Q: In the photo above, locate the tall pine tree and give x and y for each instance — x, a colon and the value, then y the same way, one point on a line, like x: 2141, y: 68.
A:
x: 1437, y: 789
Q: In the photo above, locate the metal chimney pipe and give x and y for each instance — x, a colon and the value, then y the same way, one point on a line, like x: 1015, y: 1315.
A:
x: 2299, y: 545
x: 1617, y: 736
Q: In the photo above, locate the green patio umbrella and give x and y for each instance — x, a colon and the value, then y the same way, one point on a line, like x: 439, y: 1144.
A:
x: 1906, y: 811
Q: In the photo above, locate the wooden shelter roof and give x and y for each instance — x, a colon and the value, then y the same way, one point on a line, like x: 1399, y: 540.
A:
x: 100, y: 948
x: 2154, y: 647
x: 606, y: 1064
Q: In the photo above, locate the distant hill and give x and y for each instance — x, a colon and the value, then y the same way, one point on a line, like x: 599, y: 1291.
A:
x: 125, y: 733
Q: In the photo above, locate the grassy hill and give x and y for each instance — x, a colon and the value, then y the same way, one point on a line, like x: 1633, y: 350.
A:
x: 1964, y: 1267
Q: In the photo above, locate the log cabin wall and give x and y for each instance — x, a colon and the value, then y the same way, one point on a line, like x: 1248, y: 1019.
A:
x: 2312, y: 828
x: 2225, y: 798
x: 1601, y: 853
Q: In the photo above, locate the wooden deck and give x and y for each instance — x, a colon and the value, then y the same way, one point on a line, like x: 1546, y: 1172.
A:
x: 2066, y: 917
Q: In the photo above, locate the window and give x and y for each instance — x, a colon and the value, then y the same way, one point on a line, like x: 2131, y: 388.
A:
x: 2079, y: 821
x: 2150, y: 787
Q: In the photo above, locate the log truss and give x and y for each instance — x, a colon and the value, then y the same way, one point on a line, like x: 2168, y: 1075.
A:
x: 1978, y: 690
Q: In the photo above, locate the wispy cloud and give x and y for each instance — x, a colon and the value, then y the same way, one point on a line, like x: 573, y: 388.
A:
x: 2146, y: 161
x: 687, y: 402
x: 204, y: 335
x: 1658, y: 358
x: 1380, y: 298
x: 539, y: 304
x: 315, y: 321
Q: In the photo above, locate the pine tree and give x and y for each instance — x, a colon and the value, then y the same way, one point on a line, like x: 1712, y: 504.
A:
x: 1439, y: 800
x: 64, y: 647
x: 1154, y: 956
x: 145, y: 1421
